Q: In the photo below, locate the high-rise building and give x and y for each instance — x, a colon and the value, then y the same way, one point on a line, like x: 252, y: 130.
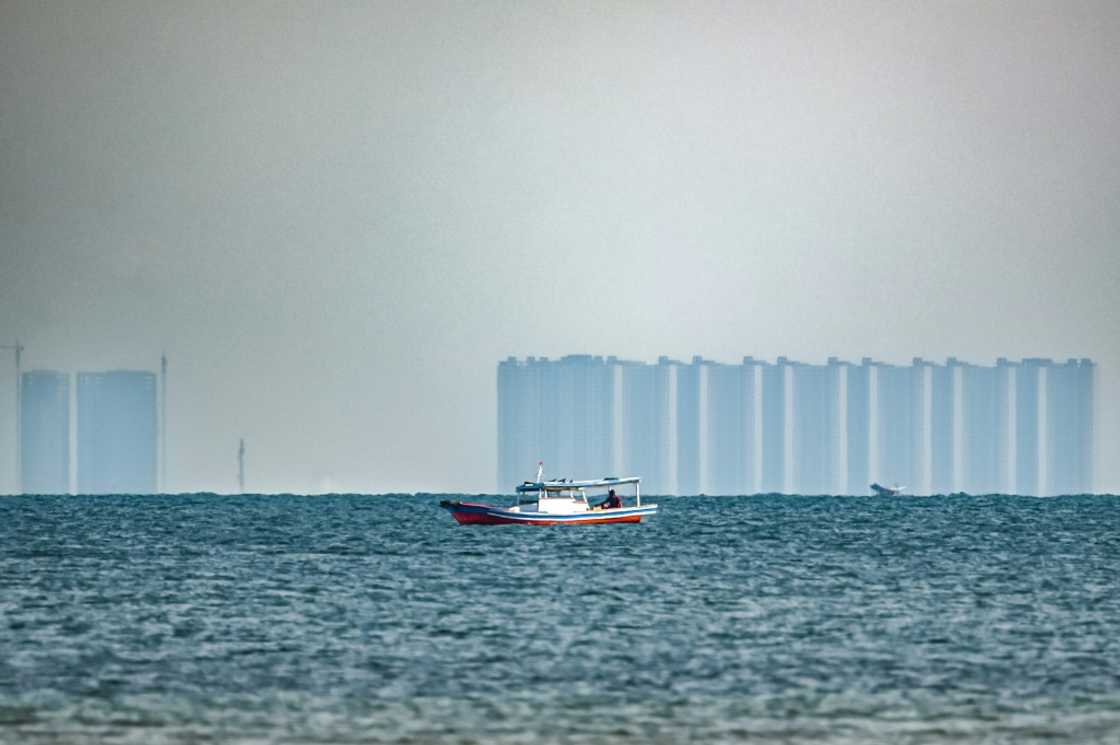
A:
x: 642, y: 428
x: 1086, y: 426
x: 1029, y: 442
x: 939, y: 384
x: 561, y: 412
x: 774, y: 426
x: 519, y: 408
x: 818, y: 430
x: 899, y: 398
x: 750, y: 423
x: 45, y: 435
x: 858, y: 425
x: 665, y: 383
x: 689, y: 380
x: 981, y: 429
x: 708, y: 427
x: 1007, y: 378
x: 723, y: 451
x: 592, y: 388
x: 116, y: 432
x: 1069, y: 427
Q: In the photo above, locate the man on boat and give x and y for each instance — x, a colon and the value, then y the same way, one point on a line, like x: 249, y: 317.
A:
x: 612, y: 502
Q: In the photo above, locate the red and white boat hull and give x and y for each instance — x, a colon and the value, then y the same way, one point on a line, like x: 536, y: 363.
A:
x: 475, y: 513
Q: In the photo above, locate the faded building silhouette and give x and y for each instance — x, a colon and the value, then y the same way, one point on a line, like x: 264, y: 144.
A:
x: 1069, y: 427
x: 858, y: 426
x: 723, y: 469
x: 117, y: 432
x: 709, y: 427
x: 773, y: 426
x: 45, y: 432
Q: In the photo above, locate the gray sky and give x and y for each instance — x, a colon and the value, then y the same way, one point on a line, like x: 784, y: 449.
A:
x: 336, y: 218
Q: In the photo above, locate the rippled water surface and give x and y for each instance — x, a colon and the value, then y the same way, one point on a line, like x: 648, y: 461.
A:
x: 377, y: 619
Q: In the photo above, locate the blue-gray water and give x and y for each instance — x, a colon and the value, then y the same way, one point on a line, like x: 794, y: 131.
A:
x: 377, y: 619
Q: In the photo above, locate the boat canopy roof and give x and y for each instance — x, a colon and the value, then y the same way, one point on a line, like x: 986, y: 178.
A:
x: 560, y: 485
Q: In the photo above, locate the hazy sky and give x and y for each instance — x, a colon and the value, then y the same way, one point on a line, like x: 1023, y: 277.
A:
x: 337, y: 217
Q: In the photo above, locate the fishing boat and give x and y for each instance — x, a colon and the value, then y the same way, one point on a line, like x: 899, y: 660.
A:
x: 559, y: 502
x: 886, y: 491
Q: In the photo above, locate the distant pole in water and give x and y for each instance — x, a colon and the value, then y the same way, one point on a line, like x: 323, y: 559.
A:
x: 163, y: 423
x: 241, y: 467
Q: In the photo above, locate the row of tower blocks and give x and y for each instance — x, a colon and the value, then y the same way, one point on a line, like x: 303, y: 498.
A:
x: 787, y: 427
x: 115, y: 434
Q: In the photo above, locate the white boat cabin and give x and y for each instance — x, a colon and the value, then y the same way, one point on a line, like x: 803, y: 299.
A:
x: 562, y: 496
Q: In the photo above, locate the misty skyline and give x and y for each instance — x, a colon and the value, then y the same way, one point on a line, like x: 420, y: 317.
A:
x: 335, y: 220
x: 705, y: 427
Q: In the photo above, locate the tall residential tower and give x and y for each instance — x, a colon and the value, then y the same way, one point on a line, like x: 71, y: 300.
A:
x: 117, y: 432
x: 45, y: 435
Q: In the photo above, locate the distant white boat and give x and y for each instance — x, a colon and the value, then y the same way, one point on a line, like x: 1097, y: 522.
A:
x: 887, y: 491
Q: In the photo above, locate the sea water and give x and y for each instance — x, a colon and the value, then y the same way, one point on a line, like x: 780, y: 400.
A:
x: 357, y: 618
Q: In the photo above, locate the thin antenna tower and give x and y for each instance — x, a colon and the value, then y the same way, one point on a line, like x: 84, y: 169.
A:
x: 241, y: 467
x: 163, y: 423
